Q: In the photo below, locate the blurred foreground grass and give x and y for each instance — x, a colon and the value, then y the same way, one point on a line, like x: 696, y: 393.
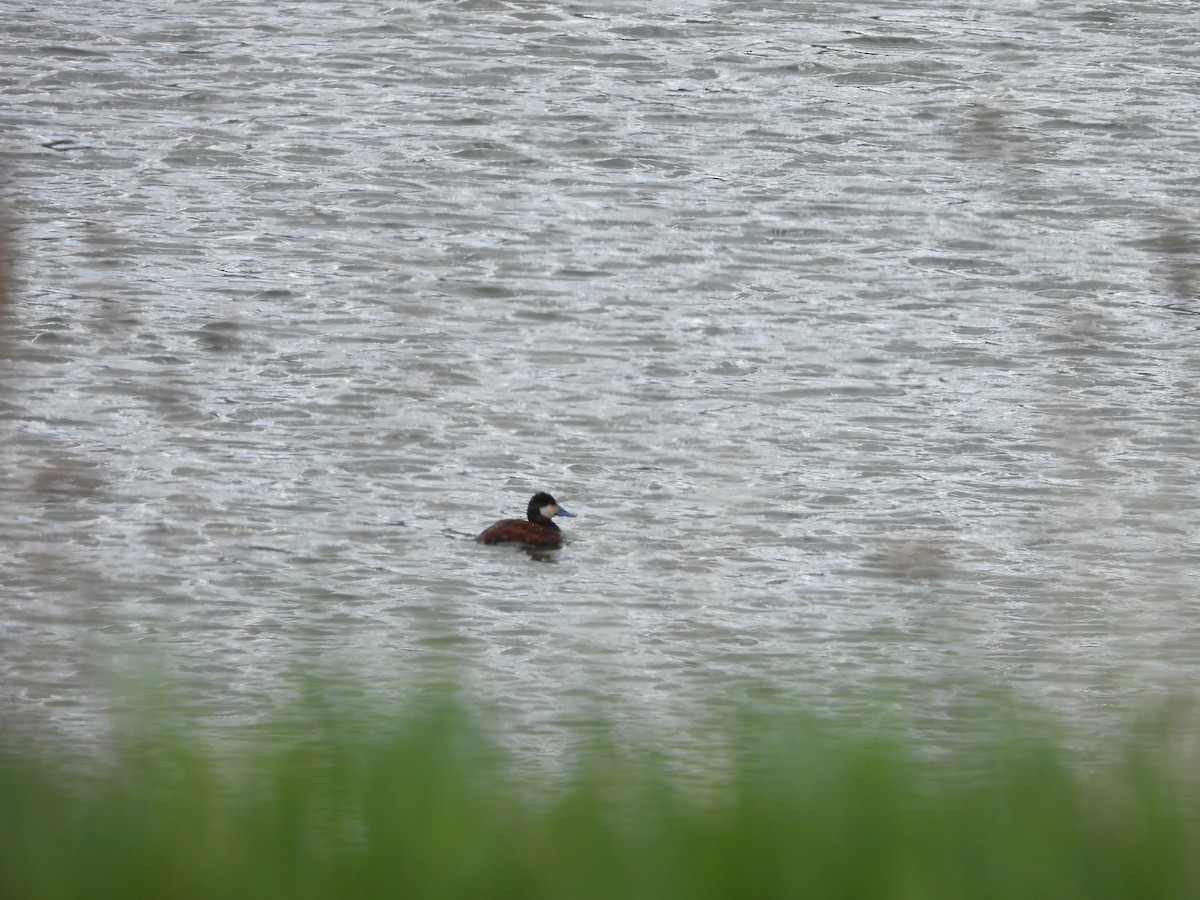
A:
x: 429, y: 807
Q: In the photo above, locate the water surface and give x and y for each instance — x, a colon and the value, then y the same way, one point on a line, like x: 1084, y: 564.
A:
x: 863, y: 343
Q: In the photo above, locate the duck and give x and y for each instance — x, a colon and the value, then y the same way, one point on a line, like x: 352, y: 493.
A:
x: 537, y: 529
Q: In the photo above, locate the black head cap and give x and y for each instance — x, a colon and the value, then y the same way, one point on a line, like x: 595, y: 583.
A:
x: 540, y: 499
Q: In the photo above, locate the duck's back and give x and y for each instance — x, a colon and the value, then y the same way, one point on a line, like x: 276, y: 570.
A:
x: 520, y: 531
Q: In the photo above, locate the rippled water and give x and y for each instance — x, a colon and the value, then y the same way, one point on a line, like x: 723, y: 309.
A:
x: 863, y: 342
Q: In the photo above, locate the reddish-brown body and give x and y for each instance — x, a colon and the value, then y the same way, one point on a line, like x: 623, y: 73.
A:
x: 536, y: 530
x: 518, y: 531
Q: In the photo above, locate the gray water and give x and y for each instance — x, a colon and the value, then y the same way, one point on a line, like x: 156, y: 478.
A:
x: 861, y: 339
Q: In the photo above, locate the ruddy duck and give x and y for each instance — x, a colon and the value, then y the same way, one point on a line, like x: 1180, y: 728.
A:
x: 536, y: 530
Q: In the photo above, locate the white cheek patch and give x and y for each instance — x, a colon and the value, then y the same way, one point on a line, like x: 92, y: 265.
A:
x: 549, y: 510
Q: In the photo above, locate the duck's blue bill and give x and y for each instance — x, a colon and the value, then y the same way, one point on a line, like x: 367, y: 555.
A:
x: 563, y: 512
